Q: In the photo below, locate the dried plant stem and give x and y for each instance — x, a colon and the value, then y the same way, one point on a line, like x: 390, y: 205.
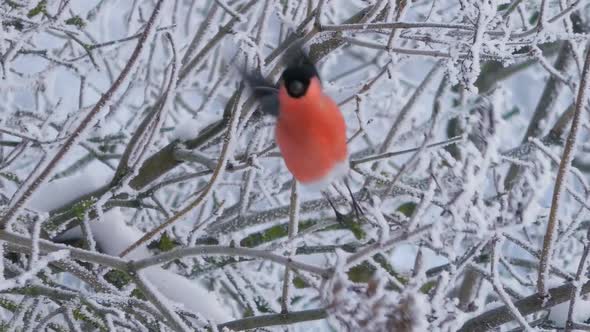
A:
x: 386, y: 155
x: 207, y: 22
x: 559, y: 16
x: 575, y: 293
x: 370, y: 250
x: 292, y: 232
x: 394, y: 25
x: 564, y: 166
x: 22, y: 243
x: 499, y: 288
x: 152, y: 294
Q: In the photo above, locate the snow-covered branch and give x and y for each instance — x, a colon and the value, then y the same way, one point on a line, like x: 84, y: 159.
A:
x: 141, y: 189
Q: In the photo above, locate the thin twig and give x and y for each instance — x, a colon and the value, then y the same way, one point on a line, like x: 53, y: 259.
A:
x: 23, y: 244
x: 575, y: 294
x: 493, y: 318
x: 23, y: 195
x: 212, y: 250
x: 217, y: 174
x: 379, y: 247
x: 499, y: 288
x: 394, y: 25
x: 275, y: 319
x: 386, y: 155
x: 153, y: 295
x: 564, y: 166
x: 292, y: 232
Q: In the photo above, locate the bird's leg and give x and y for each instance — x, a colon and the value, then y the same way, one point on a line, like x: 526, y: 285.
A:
x: 358, y: 210
x: 339, y: 216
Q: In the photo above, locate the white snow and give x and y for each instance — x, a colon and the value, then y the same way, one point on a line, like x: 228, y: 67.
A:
x: 113, y: 235
x: 48, y: 83
x: 558, y: 314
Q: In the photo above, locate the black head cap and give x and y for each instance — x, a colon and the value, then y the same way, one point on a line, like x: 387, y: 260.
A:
x: 298, y: 75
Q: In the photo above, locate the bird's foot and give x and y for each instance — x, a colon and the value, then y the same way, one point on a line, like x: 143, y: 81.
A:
x: 339, y: 215
x: 343, y: 218
x: 356, y: 207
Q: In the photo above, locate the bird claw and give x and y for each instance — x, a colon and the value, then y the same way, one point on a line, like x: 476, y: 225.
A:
x: 339, y: 215
x: 355, y: 208
x: 358, y: 210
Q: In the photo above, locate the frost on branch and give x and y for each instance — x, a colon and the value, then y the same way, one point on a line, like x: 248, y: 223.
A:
x: 142, y: 189
x: 371, y: 306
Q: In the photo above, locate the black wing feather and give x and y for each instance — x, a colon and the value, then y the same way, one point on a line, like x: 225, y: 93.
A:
x: 265, y: 92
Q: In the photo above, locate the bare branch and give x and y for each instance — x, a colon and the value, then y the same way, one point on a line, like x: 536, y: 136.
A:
x: 560, y: 182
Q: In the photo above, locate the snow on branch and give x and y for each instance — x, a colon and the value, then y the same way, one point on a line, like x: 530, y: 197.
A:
x: 141, y: 188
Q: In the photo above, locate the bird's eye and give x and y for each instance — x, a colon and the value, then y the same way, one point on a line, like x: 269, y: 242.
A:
x: 296, y: 88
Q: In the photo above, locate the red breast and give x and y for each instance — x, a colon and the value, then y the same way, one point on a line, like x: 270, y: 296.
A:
x: 310, y: 133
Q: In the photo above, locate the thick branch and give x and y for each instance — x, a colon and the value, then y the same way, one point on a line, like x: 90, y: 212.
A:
x: 227, y: 251
x: 531, y: 304
x: 275, y: 319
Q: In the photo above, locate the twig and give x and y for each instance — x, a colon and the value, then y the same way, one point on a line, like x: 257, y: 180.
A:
x: 212, y: 250
x: 542, y: 16
x: 45, y: 320
x: 404, y: 112
x: 536, y: 51
x: 378, y: 247
x: 275, y: 319
x: 564, y: 13
x: 575, y: 294
x: 369, y: 83
x: 565, y: 164
x: 546, y: 103
x: 138, y: 146
x: 226, y: 150
x: 228, y: 10
x: 292, y: 232
x: 22, y: 196
x: 194, y: 156
x: 318, y: 14
x: 23, y: 243
x: 534, y: 303
x: 386, y: 155
x: 156, y: 298
x: 536, y: 254
x: 511, y: 8
x: 189, y: 66
x: 499, y: 288
x: 199, y: 34
x: 394, y: 25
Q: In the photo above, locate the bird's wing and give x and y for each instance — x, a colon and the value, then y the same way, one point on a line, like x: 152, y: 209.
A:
x: 265, y: 92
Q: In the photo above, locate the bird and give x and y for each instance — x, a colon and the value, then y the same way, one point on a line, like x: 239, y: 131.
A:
x: 310, y: 129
